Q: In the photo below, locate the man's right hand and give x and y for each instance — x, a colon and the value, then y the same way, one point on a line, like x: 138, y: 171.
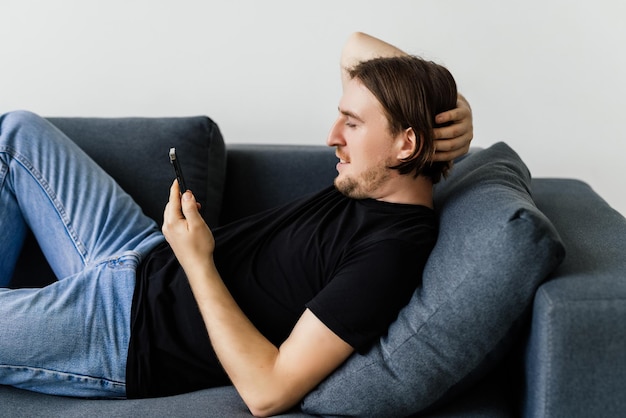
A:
x: 454, y: 140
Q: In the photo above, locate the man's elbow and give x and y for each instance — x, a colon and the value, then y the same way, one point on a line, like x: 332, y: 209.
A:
x: 263, y: 412
x: 270, y: 404
x: 267, y: 409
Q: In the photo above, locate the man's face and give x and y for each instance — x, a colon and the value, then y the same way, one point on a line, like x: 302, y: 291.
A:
x: 365, y: 147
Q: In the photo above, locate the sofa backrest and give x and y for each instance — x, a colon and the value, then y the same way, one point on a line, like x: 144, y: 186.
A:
x: 261, y: 176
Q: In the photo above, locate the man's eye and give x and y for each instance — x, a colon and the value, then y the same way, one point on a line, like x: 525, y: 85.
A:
x: 350, y: 124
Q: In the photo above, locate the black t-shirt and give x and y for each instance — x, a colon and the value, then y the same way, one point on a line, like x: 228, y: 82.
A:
x: 353, y: 263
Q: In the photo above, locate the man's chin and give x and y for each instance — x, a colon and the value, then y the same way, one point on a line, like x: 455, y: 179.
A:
x: 348, y: 188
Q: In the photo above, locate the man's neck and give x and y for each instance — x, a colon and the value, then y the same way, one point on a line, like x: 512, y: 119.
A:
x: 411, y: 191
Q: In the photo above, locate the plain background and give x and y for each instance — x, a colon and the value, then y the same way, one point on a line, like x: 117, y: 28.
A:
x: 545, y: 76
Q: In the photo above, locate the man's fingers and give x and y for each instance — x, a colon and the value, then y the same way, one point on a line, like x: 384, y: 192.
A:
x: 449, y: 116
x: 453, y: 140
x: 449, y: 149
x: 190, y: 208
x: 460, y: 112
x: 175, y: 193
x: 451, y: 132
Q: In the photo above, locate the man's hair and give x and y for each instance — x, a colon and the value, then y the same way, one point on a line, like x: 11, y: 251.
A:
x: 412, y: 91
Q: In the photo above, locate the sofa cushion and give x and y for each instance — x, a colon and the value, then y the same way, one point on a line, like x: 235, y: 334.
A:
x: 494, y: 249
x: 134, y: 151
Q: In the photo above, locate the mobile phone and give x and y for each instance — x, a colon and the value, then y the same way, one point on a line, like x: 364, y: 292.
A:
x: 178, y: 170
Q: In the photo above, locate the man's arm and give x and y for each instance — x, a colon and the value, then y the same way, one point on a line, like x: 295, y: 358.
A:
x: 452, y: 141
x: 270, y: 379
x: 362, y: 47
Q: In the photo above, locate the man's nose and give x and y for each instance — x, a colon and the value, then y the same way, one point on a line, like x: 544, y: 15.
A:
x: 335, y: 137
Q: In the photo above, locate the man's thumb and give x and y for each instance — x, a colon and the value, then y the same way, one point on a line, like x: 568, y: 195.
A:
x: 189, y: 206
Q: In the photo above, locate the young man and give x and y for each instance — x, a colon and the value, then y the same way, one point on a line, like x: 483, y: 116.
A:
x: 371, y: 235
x: 318, y: 279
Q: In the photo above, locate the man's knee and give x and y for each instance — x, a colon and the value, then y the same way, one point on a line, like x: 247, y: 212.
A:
x: 19, y: 126
x: 20, y: 117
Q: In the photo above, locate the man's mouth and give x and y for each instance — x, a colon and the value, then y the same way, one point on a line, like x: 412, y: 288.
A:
x: 342, y: 162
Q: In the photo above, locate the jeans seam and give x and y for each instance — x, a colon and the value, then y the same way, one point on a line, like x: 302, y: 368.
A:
x: 62, y: 373
x: 4, y: 171
x: 58, y: 206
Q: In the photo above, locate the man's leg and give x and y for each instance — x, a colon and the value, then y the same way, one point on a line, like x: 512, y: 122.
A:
x: 70, y: 338
x: 77, y: 212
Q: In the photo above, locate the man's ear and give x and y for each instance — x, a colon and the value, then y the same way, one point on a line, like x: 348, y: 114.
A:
x: 410, y: 145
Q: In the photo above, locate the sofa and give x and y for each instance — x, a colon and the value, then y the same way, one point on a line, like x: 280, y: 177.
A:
x: 557, y: 350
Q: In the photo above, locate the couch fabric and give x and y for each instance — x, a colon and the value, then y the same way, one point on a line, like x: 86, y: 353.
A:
x: 554, y: 364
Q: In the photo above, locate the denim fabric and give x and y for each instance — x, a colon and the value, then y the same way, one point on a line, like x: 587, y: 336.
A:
x: 70, y: 337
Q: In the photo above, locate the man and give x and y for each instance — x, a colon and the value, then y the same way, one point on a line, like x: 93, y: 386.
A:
x: 155, y: 327
x: 272, y: 377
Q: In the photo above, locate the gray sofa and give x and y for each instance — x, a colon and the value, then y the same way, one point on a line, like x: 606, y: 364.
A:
x: 567, y: 357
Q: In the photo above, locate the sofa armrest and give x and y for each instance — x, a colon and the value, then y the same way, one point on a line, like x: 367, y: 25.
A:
x: 576, y: 356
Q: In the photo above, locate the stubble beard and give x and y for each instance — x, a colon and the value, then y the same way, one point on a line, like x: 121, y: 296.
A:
x: 365, y: 185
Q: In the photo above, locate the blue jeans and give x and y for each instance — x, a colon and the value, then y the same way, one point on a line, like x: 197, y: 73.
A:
x: 71, y: 337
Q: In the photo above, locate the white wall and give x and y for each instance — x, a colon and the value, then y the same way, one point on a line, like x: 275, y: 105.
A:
x: 546, y: 76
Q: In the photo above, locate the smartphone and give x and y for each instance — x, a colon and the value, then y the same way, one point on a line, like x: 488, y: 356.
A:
x: 179, y: 172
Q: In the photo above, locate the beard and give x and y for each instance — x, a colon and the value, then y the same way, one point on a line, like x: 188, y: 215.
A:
x: 363, y: 185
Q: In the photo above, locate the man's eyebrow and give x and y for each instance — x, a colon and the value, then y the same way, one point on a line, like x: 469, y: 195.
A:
x: 350, y: 114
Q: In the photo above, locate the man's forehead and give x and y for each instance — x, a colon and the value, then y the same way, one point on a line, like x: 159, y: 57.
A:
x: 359, y: 102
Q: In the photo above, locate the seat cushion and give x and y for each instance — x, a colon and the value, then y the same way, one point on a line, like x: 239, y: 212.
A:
x: 494, y: 249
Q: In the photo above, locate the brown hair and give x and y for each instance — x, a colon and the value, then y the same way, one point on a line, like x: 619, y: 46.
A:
x: 412, y: 91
